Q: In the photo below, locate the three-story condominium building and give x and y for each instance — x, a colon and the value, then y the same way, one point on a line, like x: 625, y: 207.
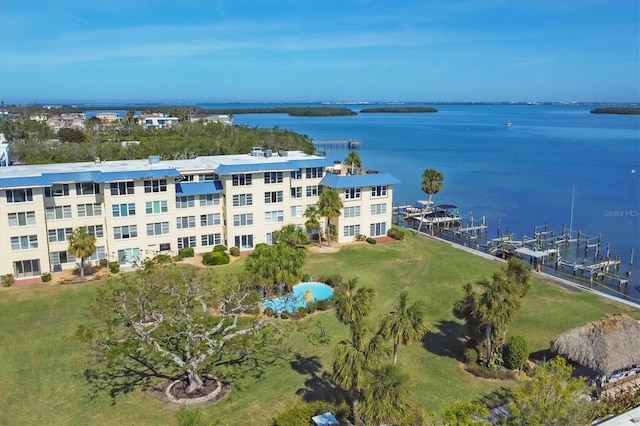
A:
x: 138, y: 208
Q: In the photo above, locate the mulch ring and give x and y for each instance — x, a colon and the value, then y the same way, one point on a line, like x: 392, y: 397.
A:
x: 179, y: 391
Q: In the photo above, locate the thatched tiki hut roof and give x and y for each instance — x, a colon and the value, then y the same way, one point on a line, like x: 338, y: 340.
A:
x: 606, y: 345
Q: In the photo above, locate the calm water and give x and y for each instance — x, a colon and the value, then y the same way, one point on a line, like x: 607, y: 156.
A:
x: 524, y: 174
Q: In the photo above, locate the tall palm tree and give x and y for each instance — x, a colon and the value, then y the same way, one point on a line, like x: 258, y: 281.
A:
x: 313, y: 220
x: 82, y: 245
x: 330, y: 207
x: 353, y: 159
x: 406, y: 324
x: 387, y: 397
x: 431, y: 184
x: 353, y: 303
x: 353, y: 358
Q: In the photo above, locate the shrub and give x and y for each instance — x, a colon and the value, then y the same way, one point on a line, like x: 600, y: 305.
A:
x: 395, y: 233
x: 215, y: 258
x: 284, y: 315
x: 234, y: 251
x: 46, y: 277
x: 515, y: 352
x: 114, y: 267
x: 299, y: 413
x: 470, y: 356
x: 332, y: 280
x: 7, y: 280
x: 489, y: 373
x: 323, y: 305
x: 371, y: 240
x: 162, y: 258
x: 306, y: 278
x: 186, y: 252
x: 312, y: 307
x: 268, y: 312
x: 219, y: 247
x: 361, y: 237
x: 103, y: 263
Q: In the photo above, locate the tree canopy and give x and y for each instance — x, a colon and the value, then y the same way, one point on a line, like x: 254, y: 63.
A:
x: 82, y: 245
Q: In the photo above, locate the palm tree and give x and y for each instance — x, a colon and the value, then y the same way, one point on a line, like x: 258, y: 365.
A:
x: 387, y: 396
x: 404, y: 325
x: 353, y: 159
x: 329, y: 207
x: 431, y: 184
x: 353, y: 358
x: 352, y: 303
x: 82, y: 245
x: 290, y: 235
x: 313, y: 220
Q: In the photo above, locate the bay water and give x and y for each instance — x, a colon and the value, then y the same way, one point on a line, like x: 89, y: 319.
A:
x: 555, y: 164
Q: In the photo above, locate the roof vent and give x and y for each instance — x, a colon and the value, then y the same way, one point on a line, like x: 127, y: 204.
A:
x: 96, y: 160
x: 154, y: 159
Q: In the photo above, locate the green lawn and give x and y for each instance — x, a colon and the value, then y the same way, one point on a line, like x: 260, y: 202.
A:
x: 41, y: 362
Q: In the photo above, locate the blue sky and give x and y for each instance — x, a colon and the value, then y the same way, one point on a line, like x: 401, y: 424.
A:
x: 307, y: 50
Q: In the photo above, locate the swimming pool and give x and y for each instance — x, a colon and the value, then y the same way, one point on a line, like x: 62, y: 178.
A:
x: 296, y: 299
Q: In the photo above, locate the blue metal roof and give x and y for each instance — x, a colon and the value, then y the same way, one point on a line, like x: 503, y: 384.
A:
x: 136, y: 174
x: 24, y: 181
x: 352, y: 181
x: 72, y: 176
x: 314, y: 162
x: 198, y: 188
x: 227, y: 169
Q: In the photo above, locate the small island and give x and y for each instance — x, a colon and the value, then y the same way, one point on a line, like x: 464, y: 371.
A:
x: 399, y: 109
x: 319, y: 112
x: 617, y: 110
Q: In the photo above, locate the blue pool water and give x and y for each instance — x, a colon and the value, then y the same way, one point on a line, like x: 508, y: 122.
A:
x: 291, y: 302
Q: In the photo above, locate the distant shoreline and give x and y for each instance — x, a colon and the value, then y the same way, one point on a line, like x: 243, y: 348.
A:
x: 616, y: 110
x: 399, y: 109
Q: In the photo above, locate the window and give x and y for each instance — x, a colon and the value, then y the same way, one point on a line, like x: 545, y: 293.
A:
x: 274, y: 216
x: 211, y: 240
x: 58, y: 212
x: 296, y: 192
x: 207, y: 176
x: 123, y: 210
x: 377, y: 209
x: 273, y: 197
x: 130, y: 255
x: 60, y: 257
x: 58, y: 235
x: 164, y: 247
x: 209, y: 200
x: 88, y: 210
x: 244, y: 241
x: 57, y: 190
x: 183, y: 222
x: 296, y: 211
x: 87, y: 188
x: 186, y: 242
x: 189, y: 178
x: 24, y: 242
x: 100, y: 253
x: 22, y: 219
x: 312, y: 191
x: 243, y: 219
x: 19, y: 195
x: 351, y: 230
x: 379, y: 191
x: 124, y: 232
x: 96, y: 230
x: 314, y: 172
x: 241, y: 179
x: 156, y: 207
x: 156, y: 185
x: 240, y: 200
x: 378, y: 229
x: 352, y: 193
x: 26, y: 268
x: 296, y: 174
x: 122, y: 188
x: 186, y: 201
x: 157, y: 228
x: 353, y: 211
x: 210, y: 219
x: 273, y: 177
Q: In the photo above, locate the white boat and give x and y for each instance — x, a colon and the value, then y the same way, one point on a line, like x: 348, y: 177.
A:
x: 508, y: 123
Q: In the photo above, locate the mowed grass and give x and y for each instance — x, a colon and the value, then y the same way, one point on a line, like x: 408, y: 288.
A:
x: 41, y: 361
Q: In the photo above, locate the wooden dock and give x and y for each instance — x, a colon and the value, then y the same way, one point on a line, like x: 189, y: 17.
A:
x: 337, y: 143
